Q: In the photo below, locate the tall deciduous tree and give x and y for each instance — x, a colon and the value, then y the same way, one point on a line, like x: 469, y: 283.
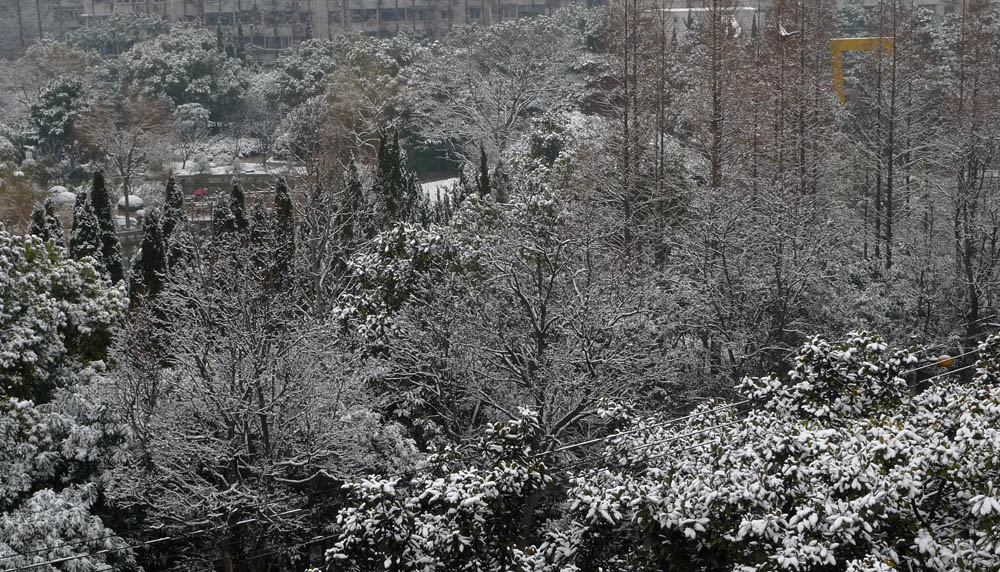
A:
x: 122, y: 132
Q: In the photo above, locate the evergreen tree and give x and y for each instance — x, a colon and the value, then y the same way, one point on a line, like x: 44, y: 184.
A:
x: 85, y: 236
x: 45, y: 223
x: 174, y: 214
x: 223, y: 221
x: 149, y: 267
x: 220, y: 41
x: 500, y: 184
x: 238, y: 206
x: 283, y: 233
x: 283, y: 210
x: 176, y: 236
x: 395, y: 189
x: 241, y: 52
x: 111, y: 248
x: 354, y: 216
x: 483, y: 181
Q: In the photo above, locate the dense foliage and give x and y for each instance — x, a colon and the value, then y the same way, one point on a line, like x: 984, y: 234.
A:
x: 568, y: 293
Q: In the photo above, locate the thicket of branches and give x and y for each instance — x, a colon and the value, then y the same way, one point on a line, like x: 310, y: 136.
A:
x: 633, y: 333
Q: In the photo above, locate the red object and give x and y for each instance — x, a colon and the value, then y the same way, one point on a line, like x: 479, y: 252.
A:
x: 200, y: 192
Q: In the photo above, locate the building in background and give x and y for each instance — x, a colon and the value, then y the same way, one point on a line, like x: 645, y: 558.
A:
x: 267, y: 25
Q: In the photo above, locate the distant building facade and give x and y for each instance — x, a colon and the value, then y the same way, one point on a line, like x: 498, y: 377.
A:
x: 940, y: 8
x: 268, y: 25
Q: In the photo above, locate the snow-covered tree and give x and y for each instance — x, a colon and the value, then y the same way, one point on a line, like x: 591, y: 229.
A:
x: 481, y: 85
x: 184, y: 67
x: 122, y: 131
x: 469, y: 510
x: 56, y: 317
x: 149, y: 264
x: 241, y: 412
x: 55, y: 115
x: 190, y: 125
x: 176, y: 233
x: 85, y: 234
x: 46, y: 225
x: 111, y: 249
x: 835, y: 466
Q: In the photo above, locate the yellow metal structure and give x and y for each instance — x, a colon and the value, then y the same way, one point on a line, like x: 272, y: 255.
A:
x: 840, y: 45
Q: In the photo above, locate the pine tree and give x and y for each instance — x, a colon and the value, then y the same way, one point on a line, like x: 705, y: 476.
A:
x: 45, y: 223
x: 238, y: 206
x: 111, y: 248
x: 149, y: 267
x: 85, y: 236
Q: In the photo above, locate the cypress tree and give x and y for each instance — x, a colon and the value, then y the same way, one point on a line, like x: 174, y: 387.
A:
x: 283, y: 211
x: 85, y: 236
x: 241, y: 53
x: 283, y: 233
x: 238, y: 206
x: 223, y: 221
x: 174, y: 214
x: 45, y: 224
x: 483, y: 186
x: 149, y: 267
x: 111, y: 248
x: 395, y: 186
x: 220, y: 42
x: 175, y: 224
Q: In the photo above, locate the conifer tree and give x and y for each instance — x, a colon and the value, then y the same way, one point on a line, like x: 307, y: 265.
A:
x: 85, y: 236
x: 176, y: 236
x: 111, y: 248
x: 395, y: 186
x: 45, y: 223
x: 149, y: 267
x: 238, y: 206
x: 174, y: 214
x: 483, y: 180
x: 223, y: 220
x: 283, y: 232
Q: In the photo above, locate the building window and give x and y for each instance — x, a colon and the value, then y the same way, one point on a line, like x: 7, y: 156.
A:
x: 418, y: 14
x: 510, y: 10
x: 530, y: 10
x: 335, y: 17
x: 393, y: 14
x: 446, y: 14
x: 362, y: 14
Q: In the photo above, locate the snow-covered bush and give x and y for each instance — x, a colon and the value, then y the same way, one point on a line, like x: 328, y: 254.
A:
x: 877, y: 479
x: 56, y: 316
